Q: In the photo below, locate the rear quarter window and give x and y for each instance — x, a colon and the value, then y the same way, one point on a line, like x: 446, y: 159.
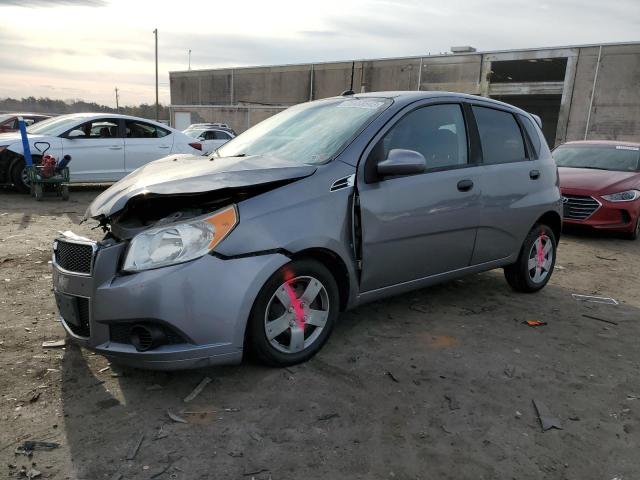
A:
x: 532, y: 133
x: 500, y: 136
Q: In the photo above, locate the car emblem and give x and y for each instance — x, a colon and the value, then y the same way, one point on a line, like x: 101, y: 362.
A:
x: 565, y: 200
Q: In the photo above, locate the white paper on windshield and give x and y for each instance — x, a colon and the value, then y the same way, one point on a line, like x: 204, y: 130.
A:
x: 367, y: 104
x: 627, y: 147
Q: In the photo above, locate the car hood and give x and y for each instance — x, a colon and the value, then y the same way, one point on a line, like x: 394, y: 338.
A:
x: 189, y: 174
x: 597, y: 181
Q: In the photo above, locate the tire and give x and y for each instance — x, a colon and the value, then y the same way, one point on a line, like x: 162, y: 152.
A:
x: 37, y: 191
x: 18, y: 174
x: 280, y: 331
x: 532, y: 270
x: 636, y: 232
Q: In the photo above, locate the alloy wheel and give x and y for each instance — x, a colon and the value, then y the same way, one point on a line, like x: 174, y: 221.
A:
x: 296, y: 314
x: 540, y: 258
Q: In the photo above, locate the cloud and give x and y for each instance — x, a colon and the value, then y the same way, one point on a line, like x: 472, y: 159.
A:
x: 53, y: 3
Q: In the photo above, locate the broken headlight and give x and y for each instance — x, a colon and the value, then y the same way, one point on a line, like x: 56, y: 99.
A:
x: 180, y: 242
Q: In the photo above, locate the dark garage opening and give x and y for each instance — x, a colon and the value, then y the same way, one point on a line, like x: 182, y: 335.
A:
x: 547, y: 107
x: 532, y: 70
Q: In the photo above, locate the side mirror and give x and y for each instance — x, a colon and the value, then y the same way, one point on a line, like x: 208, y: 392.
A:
x: 402, y: 162
x: 75, y: 134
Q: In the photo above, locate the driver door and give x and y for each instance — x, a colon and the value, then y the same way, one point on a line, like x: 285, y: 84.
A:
x: 419, y: 225
x: 96, y: 149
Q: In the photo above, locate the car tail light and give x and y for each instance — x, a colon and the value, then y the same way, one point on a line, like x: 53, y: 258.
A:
x: 196, y: 145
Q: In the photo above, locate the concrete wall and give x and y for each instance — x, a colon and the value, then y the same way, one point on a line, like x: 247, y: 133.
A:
x: 225, y: 94
x: 615, y: 112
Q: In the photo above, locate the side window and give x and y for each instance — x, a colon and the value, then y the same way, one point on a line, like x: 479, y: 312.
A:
x: 437, y: 132
x: 500, y: 136
x: 99, y: 128
x: 221, y: 135
x: 532, y: 133
x: 136, y: 129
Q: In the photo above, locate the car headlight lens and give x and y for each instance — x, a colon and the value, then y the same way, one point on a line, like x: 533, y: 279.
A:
x: 178, y: 243
x: 628, y: 196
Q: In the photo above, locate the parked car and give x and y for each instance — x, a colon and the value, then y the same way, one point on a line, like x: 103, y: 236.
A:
x: 9, y: 122
x: 320, y: 208
x: 104, y: 147
x: 211, y: 136
x: 600, y: 185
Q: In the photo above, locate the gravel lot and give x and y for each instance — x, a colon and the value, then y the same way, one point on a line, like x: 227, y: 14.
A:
x: 438, y: 383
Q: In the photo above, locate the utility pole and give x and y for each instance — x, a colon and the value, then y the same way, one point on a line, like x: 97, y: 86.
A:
x: 117, y: 103
x: 189, y: 59
x: 155, y: 32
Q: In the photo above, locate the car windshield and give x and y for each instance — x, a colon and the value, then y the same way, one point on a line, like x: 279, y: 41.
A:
x: 55, y: 125
x: 310, y: 133
x: 194, y: 132
x: 621, y: 158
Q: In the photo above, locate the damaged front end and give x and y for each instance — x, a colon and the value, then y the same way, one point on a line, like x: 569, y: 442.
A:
x: 148, y: 294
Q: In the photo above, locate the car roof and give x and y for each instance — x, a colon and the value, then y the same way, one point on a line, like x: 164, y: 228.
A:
x: 611, y: 143
x: 91, y: 115
x: 410, y: 96
x: 22, y: 114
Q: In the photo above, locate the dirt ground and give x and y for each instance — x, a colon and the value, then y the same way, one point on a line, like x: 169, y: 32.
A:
x: 438, y: 383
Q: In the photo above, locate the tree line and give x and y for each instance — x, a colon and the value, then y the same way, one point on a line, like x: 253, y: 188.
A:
x: 51, y: 106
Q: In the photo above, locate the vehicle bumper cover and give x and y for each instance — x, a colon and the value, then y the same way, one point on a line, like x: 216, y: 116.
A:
x: 206, y: 301
x: 612, y: 216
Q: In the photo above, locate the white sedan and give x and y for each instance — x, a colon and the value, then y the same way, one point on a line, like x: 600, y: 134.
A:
x: 211, y: 137
x: 103, y: 147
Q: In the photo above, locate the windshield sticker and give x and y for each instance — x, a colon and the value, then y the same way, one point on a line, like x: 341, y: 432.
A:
x: 367, y: 104
x: 626, y: 147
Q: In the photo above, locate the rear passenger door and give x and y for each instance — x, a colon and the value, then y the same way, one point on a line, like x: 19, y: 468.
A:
x: 144, y: 143
x: 419, y: 225
x: 510, y: 180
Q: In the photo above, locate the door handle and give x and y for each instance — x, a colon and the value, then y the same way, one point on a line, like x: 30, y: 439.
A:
x: 115, y: 147
x: 534, y: 174
x: 465, y: 185
x: 164, y: 146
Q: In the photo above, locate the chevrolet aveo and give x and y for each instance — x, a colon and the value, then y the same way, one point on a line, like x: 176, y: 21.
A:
x: 323, y: 207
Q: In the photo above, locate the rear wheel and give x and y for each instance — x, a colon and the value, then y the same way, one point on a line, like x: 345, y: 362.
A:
x: 294, y: 313
x: 19, y: 175
x: 536, y: 261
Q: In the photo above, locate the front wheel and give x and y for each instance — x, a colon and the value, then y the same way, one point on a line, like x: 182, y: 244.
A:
x: 534, y: 266
x: 636, y: 231
x: 294, y: 313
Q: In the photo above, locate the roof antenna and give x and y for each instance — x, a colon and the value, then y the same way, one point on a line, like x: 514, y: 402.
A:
x: 347, y: 92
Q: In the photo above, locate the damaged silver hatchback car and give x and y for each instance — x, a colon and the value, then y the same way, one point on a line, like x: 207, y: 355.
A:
x: 318, y: 209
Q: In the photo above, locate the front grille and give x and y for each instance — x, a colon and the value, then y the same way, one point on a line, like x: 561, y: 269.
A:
x: 578, y: 207
x: 121, y: 333
x: 83, y: 329
x: 74, y: 257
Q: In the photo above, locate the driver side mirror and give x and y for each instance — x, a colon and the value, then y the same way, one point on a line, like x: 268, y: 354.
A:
x: 75, y: 134
x: 402, y: 162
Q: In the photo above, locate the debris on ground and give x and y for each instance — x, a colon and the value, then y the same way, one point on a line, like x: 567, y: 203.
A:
x: 547, y: 420
x: 594, y: 299
x: 392, y: 377
x: 510, y: 371
x: 255, y: 472
x: 607, y: 258
x: 327, y: 416
x: 196, y: 391
x: 160, y: 434
x: 54, y: 343
x: 175, y: 418
x: 28, y: 447
x: 518, y: 415
x: 535, y: 323
x: 454, y: 404
x: 31, y: 473
x: 236, y: 454
x: 599, y: 319
x: 134, y: 448
x: 102, y: 370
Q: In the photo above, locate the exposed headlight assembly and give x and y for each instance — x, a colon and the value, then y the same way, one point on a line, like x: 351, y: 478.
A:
x: 180, y: 242
x: 628, y: 196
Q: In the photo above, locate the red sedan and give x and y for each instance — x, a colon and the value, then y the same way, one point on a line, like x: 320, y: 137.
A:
x: 600, y: 185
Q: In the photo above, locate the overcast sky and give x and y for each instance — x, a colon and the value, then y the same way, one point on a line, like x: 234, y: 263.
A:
x: 84, y: 48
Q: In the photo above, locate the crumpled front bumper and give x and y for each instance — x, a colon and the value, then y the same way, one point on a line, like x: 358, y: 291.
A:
x: 205, y: 302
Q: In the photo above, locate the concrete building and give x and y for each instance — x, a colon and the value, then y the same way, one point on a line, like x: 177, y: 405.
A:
x: 588, y: 91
